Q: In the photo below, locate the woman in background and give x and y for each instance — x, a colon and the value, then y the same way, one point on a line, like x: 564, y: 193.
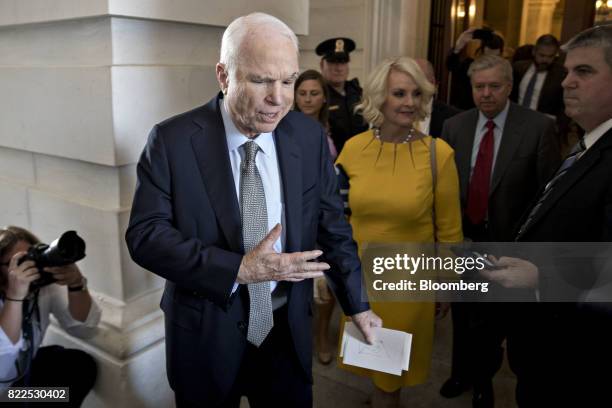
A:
x: 393, y: 199
x: 311, y: 97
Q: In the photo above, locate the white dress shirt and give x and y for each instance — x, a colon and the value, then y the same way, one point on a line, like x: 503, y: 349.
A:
x: 537, y: 89
x: 424, y: 125
x: 267, y: 165
x: 593, y: 136
x: 51, y: 299
x: 481, y: 130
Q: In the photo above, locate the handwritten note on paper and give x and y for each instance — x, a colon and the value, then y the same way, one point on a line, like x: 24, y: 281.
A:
x: 389, y: 354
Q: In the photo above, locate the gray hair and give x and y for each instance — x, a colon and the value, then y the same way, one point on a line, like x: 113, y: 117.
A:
x: 599, y: 36
x: 491, y: 61
x: 244, y: 27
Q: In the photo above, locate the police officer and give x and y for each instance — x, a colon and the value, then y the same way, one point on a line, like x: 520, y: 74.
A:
x: 343, y: 94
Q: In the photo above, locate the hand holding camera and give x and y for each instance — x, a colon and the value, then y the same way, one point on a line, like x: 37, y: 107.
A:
x: 20, y: 275
x: 55, y: 262
x: 67, y: 275
x: 463, y: 39
x: 485, y: 35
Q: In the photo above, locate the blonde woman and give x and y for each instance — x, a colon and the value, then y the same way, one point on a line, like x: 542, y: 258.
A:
x: 392, y: 196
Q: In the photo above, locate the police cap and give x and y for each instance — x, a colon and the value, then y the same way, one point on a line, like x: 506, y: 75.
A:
x: 336, y: 49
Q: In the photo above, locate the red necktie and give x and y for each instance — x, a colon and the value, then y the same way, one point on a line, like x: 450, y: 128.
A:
x: 478, y: 192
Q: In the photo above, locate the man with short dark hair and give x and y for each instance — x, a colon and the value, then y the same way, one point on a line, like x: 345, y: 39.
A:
x: 344, y: 123
x: 573, y: 338
x: 537, y: 83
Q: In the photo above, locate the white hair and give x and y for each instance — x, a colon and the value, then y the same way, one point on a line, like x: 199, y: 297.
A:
x: 242, y: 28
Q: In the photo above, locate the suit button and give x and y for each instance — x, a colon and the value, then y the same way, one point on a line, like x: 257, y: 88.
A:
x: 242, y: 326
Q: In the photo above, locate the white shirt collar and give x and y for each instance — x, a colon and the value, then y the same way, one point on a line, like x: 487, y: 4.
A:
x: 594, y: 135
x: 235, y: 138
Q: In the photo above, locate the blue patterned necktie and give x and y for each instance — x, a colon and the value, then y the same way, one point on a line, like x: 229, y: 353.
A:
x: 571, y: 158
x: 254, y: 228
x: 529, y: 91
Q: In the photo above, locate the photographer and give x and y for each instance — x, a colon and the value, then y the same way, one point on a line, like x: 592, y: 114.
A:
x: 458, y: 62
x: 24, y: 318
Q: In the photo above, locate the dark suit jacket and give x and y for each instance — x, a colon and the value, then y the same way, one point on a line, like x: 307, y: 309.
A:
x: 575, y: 337
x: 578, y: 209
x: 526, y: 159
x: 439, y: 113
x: 551, y: 95
x: 461, y: 87
x: 344, y: 123
x: 185, y: 227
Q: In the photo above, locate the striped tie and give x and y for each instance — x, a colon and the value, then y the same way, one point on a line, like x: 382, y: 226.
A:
x: 574, y: 154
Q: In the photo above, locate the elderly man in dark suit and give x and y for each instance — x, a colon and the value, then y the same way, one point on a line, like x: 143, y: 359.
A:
x: 537, y: 82
x: 573, y: 338
x: 232, y: 198
x: 504, y: 155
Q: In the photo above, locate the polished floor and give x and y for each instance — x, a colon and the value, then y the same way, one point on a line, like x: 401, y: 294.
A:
x: 335, y: 388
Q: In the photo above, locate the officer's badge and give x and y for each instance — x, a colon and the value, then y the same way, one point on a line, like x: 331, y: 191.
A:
x: 339, y: 45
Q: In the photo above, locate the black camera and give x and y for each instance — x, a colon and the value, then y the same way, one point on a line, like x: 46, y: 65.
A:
x: 65, y: 250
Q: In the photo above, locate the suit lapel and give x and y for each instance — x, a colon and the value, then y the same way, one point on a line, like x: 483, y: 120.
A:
x: 510, y: 141
x: 463, y: 152
x: 434, y: 129
x: 210, y: 148
x: 573, y: 175
x: 290, y: 164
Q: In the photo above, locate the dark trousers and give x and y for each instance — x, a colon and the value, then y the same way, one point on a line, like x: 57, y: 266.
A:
x: 479, y: 331
x: 270, y: 376
x: 461, y: 359
x: 56, y: 366
x: 575, y: 357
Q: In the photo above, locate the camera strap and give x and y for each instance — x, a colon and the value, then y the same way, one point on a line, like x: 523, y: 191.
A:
x: 23, y: 362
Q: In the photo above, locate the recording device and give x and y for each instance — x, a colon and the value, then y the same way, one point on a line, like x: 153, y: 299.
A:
x: 468, y: 253
x: 488, y: 264
x: 65, y: 250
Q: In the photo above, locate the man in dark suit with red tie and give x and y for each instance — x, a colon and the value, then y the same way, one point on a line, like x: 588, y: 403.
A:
x: 574, y: 334
x: 504, y: 155
x: 232, y: 199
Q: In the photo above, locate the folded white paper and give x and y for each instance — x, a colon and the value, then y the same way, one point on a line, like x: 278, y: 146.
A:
x: 389, y: 354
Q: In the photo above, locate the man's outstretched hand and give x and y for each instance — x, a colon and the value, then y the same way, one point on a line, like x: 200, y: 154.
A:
x: 264, y: 264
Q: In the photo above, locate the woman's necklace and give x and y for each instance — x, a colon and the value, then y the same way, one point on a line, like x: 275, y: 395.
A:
x: 408, y: 137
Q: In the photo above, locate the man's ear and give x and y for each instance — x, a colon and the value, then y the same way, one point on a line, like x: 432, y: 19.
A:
x: 321, y: 64
x: 222, y: 77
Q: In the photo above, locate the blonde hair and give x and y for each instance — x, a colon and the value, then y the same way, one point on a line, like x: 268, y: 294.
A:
x: 375, y: 89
